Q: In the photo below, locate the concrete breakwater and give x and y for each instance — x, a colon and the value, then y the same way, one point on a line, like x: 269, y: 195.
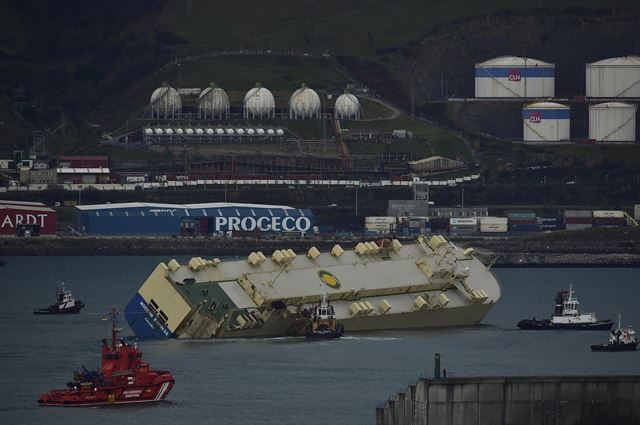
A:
x: 608, y: 247
x: 536, y: 400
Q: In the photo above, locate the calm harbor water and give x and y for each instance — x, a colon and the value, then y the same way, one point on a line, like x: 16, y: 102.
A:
x: 285, y: 380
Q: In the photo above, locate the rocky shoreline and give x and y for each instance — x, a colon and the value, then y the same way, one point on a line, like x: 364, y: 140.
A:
x: 596, y: 247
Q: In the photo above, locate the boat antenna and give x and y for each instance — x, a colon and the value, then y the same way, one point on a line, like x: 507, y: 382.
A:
x: 619, y: 322
x: 114, y: 321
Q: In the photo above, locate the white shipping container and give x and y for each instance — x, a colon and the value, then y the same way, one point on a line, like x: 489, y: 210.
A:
x: 381, y: 219
x: 578, y: 226
x: 608, y: 214
x: 493, y: 228
x: 470, y: 221
x: 494, y: 220
x: 377, y: 226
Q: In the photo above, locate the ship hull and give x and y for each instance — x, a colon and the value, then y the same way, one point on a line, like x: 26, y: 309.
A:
x: 615, y: 347
x: 108, y: 395
x: 55, y: 310
x: 541, y: 325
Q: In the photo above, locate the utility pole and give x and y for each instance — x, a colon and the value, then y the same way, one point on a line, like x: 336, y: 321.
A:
x: 356, y: 200
x: 462, y: 200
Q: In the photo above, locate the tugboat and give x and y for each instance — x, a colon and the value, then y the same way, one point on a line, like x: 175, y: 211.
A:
x: 567, y: 316
x: 323, y: 323
x: 65, y: 303
x: 621, y: 339
x: 123, y: 378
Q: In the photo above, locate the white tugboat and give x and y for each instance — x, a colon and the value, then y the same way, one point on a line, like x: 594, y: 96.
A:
x: 65, y: 303
x: 566, y: 315
x: 621, y: 339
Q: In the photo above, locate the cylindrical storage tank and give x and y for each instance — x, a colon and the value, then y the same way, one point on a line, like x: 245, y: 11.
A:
x: 304, y: 103
x: 168, y: 131
x: 148, y: 131
x: 260, y: 132
x: 259, y: 102
x: 612, y: 122
x: 512, y: 76
x: 240, y: 131
x: 251, y: 132
x: 219, y: 131
x: 347, y: 107
x: 210, y: 131
x: 159, y: 131
x: 179, y: 131
x: 199, y: 131
x: 165, y: 102
x: 229, y: 131
x: 613, y: 77
x: 213, y: 103
x: 270, y: 132
x: 280, y: 132
x: 189, y: 131
x: 545, y: 122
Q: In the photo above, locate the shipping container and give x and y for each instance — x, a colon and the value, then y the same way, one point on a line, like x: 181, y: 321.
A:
x: 608, y: 214
x: 609, y: 220
x: 380, y: 219
x: 551, y: 227
x: 570, y: 226
x: 439, y: 224
x: 523, y: 221
x: 578, y: 213
x: 555, y: 219
x: 494, y: 220
x: 493, y: 228
x: 524, y: 227
x: 470, y: 221
x: 601, y: 225
x: 519, y: 215
x: 578, y: 220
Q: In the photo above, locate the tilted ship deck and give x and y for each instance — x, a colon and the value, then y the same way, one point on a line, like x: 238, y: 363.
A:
x: 430, y: 283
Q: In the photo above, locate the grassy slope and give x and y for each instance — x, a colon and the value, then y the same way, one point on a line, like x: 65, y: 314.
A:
x: 342, y: 27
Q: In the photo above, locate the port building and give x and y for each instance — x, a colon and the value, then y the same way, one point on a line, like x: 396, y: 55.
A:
x: 513, y: 76
x: 210, y: 219
x: 18, y: 218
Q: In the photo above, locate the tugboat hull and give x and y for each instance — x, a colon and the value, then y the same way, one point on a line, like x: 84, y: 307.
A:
x: 55, y: 310
x: 541, y: 325
x: 105, y: 395
x: 614, y: 347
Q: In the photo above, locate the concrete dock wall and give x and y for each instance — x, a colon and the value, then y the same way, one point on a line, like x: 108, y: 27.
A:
x: 558, y: 400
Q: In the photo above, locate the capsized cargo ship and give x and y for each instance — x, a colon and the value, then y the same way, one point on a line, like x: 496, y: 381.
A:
x: 375, y: 286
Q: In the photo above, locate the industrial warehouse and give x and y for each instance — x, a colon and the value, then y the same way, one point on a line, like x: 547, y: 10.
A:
x: 150, y: 219
x: 18, y: 218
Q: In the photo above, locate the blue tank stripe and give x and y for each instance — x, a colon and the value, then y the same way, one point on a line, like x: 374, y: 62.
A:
x: 143, y: 321
x: 506, y: 72
x: 546, y: 114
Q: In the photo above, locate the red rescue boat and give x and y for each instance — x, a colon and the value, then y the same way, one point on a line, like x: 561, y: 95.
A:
x: 123, y: 378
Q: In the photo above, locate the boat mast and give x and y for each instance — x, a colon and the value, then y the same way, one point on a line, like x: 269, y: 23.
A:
x: 114, y: 330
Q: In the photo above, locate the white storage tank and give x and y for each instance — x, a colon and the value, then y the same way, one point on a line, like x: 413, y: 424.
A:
x: 210, y: 131
x: 229, y: 131
x: 189, y: 131
x: 513, y: 76
x: 240, y: 131
x: 159, y: 131
x: 260, y: 131
x: 304, y: 103
x: 280, y: 132
x: 148, y: 131
x: 546, y: 122
x: 614, y: 77
x: 270, y: 132
x: 199, y: 131
x: 259, y: 102
x: 213, y: 103
x: 219, y: 131
x: 168, y: 131
x: 612, y: 122
x: 347, y: 107
x: 165, y: 102
x: 251, y: 131
x: 179, y: 131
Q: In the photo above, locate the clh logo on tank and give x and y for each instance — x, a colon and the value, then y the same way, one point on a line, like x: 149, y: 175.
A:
x: 535, y: 117
x: 514, y: 75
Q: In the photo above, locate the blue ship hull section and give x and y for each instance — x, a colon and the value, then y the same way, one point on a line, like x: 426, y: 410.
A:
x: 144, y: 321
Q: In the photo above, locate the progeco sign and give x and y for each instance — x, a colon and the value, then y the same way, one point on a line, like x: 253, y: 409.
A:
x: 264, y: 224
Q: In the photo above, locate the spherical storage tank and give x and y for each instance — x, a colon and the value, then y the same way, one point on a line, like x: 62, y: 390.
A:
x: 259, y: 102
x: 612, y: 122
x: 165, y: 102
x: 347, y: 107
x: 545, y: 122
x: 213, y: 103
x: 614, y: 77
x: 512, y: 76
x: 304, y: 103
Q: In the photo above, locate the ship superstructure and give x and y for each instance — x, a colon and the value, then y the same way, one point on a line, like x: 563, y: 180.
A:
x: 384, y: 285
